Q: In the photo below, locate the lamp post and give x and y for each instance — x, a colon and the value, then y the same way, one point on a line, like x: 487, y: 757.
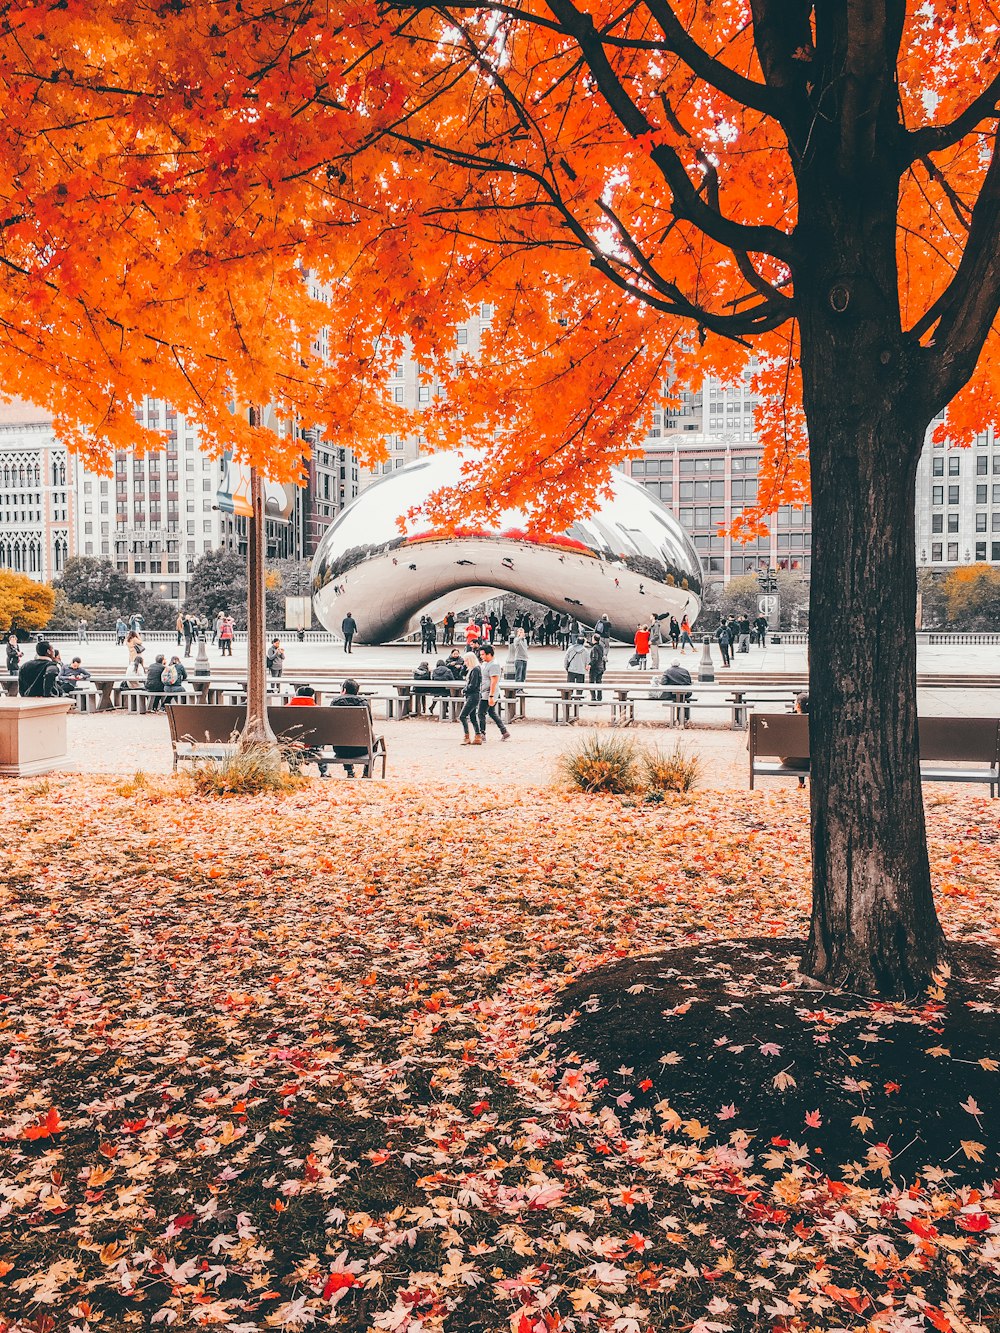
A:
x: 257, y: 728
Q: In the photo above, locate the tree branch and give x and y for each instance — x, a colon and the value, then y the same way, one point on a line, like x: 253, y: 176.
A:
x: 965, y: 312
x: 934, y: 138
x: 748, y: 92
x: 688, y: 205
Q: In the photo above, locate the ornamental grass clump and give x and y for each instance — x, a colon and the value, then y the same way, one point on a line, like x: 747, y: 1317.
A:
x: 244, y: 772
x: 602, y: 763
x: 674, y: 770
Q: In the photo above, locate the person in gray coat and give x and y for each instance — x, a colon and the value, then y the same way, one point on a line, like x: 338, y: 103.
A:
x: 575, y: 661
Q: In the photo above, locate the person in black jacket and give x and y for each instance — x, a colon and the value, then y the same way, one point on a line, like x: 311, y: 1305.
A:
x: 13, y: 655
x: 154, y: 683
x: 39, y: 677
x: 348, y: 627
x: 351, y: 697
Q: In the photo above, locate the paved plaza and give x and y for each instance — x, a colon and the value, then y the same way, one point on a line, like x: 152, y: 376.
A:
x: 426, y: 751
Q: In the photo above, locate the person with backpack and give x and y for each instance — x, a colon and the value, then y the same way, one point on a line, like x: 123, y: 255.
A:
x: 174, y: 676
x: 226, y: 632
x: 597, y: 662
x: 275, y: 657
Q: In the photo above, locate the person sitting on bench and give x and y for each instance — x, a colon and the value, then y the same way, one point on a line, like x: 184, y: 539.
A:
x: 793, y: 761
x: 350, y: 697
x: 676, y: 674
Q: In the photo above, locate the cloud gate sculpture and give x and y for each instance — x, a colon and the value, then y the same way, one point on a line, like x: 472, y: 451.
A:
x: 630, y: 561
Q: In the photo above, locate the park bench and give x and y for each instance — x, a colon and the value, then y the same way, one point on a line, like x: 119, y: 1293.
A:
x: 952, y: 749
x: 210, y: 731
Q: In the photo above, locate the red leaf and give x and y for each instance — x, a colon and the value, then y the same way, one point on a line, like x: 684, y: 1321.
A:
x: 45, y: 1128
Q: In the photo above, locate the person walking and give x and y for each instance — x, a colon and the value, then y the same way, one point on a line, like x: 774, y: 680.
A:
x: 348, y: 627
x: 13, y: 655
x: 642, y: 645
x: 121, y: 629
x: 488, y: 703
x: 597, y: 662
x: 473, y: 696
x: 723, y: 640
x: 675, y: 633
x: 517, y: 656
x: 226, y: 632
x: 575, y: 661
x: 686, y: 636
x: 275, y: 658
x: 81, y: 631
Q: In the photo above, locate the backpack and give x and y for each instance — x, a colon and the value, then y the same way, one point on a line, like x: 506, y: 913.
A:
x: 170, y: 675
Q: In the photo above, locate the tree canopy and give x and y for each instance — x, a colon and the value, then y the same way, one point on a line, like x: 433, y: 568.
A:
x: 24, y: 604
x: 172, y: 170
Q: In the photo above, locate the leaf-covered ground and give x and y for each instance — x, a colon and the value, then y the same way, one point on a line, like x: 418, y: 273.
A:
x: 284, y: 1063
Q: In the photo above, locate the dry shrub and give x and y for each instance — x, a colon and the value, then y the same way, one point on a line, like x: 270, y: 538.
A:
x: 245, y: 772
x: 673, y: 770
x: 602, y: 763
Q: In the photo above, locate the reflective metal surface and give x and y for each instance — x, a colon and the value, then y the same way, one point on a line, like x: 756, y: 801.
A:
x: 631, y: 561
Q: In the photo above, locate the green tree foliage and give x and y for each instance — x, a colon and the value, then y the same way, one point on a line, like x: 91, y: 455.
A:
x: 98, y: 584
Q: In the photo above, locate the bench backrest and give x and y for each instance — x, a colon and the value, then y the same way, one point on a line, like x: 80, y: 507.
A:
x: 942, y: 739
x: 351, y: 726
x: 212, y: 723
x: 777, y: 734
x: 218, y: 723
x: 969, y: 739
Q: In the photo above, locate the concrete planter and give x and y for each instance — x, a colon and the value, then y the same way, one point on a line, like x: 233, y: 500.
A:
x: 32, y: 736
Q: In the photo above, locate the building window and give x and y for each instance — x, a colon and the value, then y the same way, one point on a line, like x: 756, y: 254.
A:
x: 953, y: 551
x: 937, y: 467
x: 937, y: 522
x: 952, y: 522
x: 463, y: 335
x: 982, y: 465
x: 980, y: 522
x: 981, y: 494
x: 953, y: 495
x: 954, y: 465
x: 996, y: 551
x: 980, y: 550
x: 937, y: 495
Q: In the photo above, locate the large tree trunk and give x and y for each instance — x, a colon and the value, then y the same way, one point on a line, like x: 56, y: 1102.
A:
x: 874, y: 927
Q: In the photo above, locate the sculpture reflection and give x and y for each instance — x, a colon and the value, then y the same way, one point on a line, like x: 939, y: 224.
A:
x: 630, y: 561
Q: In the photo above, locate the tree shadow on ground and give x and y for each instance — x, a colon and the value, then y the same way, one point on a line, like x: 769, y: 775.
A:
x: 726, y: 1035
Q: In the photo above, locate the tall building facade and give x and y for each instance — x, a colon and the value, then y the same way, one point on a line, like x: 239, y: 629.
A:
x: 958, y: 504
x: 37, y: 517
x: 409, y: 387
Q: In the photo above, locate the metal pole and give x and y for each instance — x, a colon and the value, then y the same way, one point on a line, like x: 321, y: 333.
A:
x: 706, y: 667
x: 257, y: 729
